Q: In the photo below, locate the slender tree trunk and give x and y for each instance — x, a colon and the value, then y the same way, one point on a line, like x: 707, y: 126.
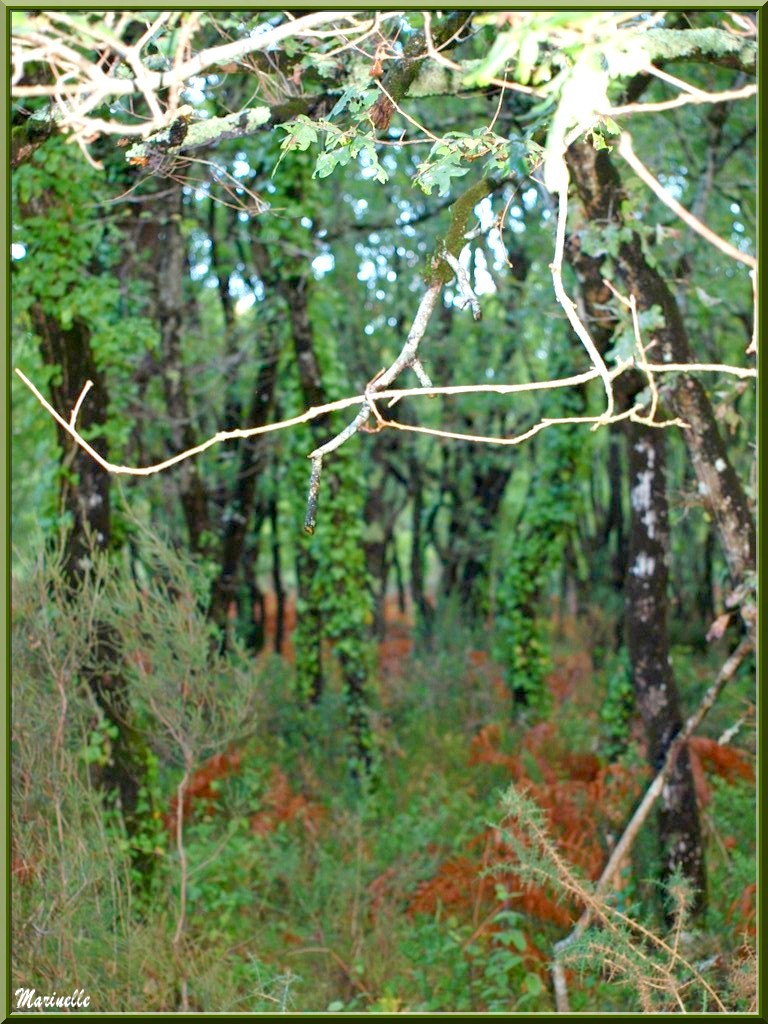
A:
x: 402, y: 605
x: 169, y: 306
x: 254, y: 459
x: 378, y: 563
x: 383, y: 504
x: 648, y: 643
x: 479, y: 480
x: 309, y: 636
x: 87, y: 498
x: 277, y: 574
x: 223, y: 268
x: 705, y: 590
x: 615, y: 519
x: 252, y: 606
x: 424, y: 610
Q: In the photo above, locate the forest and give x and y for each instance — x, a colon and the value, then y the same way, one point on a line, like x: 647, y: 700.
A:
x: 383, y: 536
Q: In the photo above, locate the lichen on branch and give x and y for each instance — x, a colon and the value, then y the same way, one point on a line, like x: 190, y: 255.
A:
x: 182, y: 135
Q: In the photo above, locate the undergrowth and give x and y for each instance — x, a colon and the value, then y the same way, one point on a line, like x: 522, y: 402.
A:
x: 257, y: 875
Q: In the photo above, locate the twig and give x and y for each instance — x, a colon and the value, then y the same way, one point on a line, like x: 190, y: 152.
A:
x: 438, y: 57
x: 314, y: 485
x: 678, y: 83
x: 86, y: 388
x: 633, y: 414
x: 681, y: 101
x: 380, y: 383
x: 622, y: 847
x: 182, y: 916
x: 396, y: 106
x: 222, y: 435
x: 752, y: 348
x: 421, y: 373
x: 556, y: 267
x: 464, y: 286
x: 188, y: 29
x: 81, y: 85
x: 737, y: 371
x: 631, y: 304
x: 731, y: 731
x: 628, y: 153
x: 395, y: 394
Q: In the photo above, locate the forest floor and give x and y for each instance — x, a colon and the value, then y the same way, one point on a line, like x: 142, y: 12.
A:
x: 439, y: 883
x: 411, y: 897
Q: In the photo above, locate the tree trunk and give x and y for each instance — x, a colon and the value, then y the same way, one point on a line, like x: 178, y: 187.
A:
x: 478, y: 483
x: 254, y: 460
x: 648, y: 644
x: 309, y: 625
x: 383, y: 504
x: 615, y: 519
x: 601, y: 194
x: 169, y: 299
x: 277, y: 573
x: 424, y: 611
x: 87, y: 499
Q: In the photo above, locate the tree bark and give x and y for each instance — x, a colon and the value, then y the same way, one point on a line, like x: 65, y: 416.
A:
x: 87, y: 499
x: 601, y: 194
x: 310, y: 626
x: 277, y: 573
x: 254, y: 461
x: 169, y: 307
x: 476, y: 482
x: 384, y: 502
x: 648, y: 644
x: 425, y: 613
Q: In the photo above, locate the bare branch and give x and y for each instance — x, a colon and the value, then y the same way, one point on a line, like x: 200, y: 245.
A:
x: 80, y: 85
x: 222, y: 435
x: 634, y: 414
x: 556, y: 267
x: 314, y: 486
x: 86, y: 388
x: 626, y: 151
x: 395, y: 394
x: 421, y: 373
x: 380, y: 382
x: 439, y: 58
x: 736, y: 371
x: 464, y: 286
x: 407, y: 117
x: 631, y: 303
x: 752, y: 348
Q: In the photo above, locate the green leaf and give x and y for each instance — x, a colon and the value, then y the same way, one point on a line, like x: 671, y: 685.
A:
x: 328, y: 161
x: 300, y: 134
x: 440, y: 174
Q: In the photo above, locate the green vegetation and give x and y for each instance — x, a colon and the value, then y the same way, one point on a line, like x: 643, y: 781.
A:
x: 384, y: 490
x: 299, y: 893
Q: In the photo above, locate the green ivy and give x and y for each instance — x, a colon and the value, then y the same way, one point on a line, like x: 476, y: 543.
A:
x: 618, y: 707
x: 532, y: 553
